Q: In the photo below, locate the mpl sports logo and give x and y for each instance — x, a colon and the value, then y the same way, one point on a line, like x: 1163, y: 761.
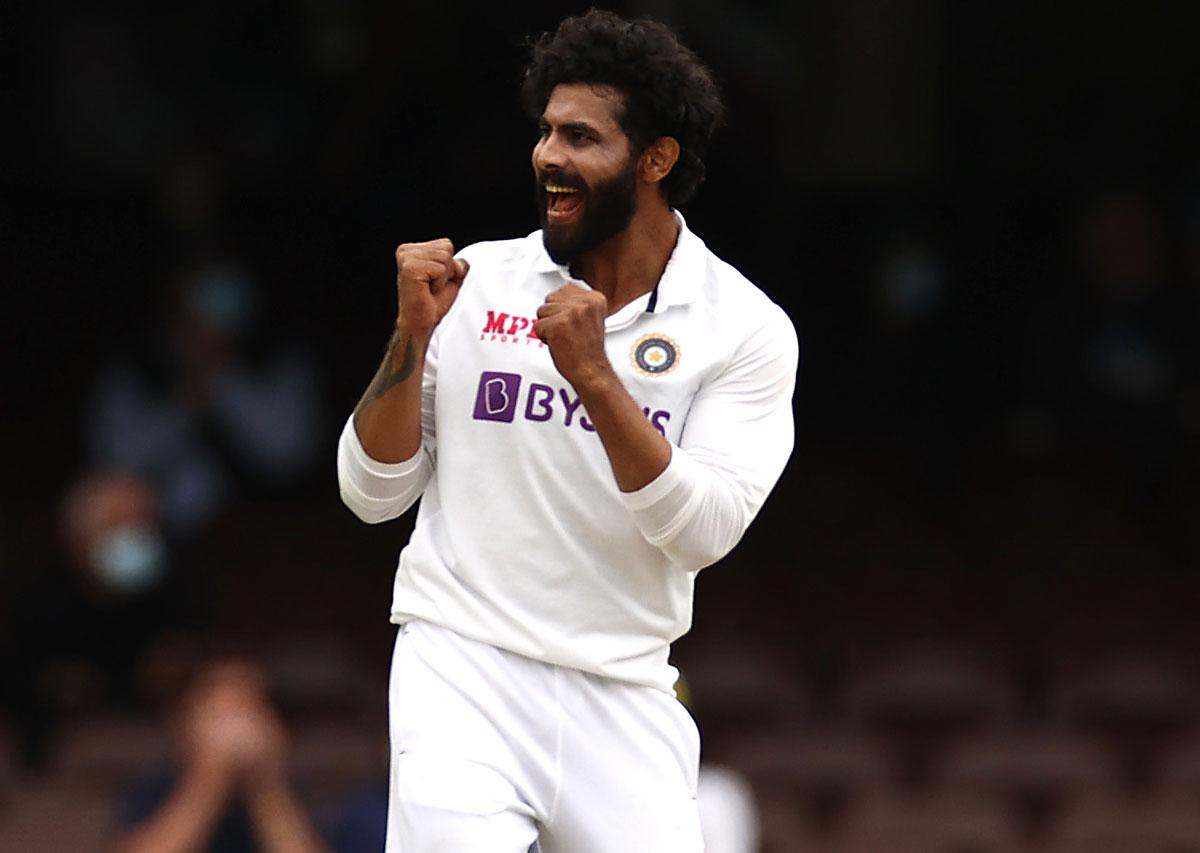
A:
x: 499, y: 398
x: 513, y: 329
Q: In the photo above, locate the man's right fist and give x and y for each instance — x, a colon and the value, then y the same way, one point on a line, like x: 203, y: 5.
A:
x: 428, y: 277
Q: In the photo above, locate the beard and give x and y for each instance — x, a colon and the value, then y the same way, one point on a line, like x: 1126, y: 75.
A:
x: 608, y: 210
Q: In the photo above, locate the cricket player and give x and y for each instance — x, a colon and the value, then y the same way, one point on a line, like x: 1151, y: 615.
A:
x: 591, y: 414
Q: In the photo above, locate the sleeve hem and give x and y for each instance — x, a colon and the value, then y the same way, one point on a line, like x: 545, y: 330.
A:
x: 660, y: 486
x: 374, y: 466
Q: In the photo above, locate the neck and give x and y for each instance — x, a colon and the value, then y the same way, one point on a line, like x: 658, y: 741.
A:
x: 630, y: 264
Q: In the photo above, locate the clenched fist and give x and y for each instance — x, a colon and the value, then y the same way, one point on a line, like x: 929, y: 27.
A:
x: 427, y: 281
x: 571, y: 323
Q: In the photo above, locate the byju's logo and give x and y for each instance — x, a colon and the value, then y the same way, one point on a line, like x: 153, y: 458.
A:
x: 496, y: 399
x: 499, y: 399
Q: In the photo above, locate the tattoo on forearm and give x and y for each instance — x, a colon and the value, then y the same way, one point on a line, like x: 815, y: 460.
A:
x: 386, y: 377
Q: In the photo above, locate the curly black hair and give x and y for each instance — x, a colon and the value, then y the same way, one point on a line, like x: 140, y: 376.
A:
x: 667, y: 90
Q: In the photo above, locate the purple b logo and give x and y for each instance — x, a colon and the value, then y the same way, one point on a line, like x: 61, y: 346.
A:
x: 497, y: 397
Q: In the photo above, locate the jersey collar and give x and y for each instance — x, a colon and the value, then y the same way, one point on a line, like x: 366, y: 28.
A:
x: 681, y: 280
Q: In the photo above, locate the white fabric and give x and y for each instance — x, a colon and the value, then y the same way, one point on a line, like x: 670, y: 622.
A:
x: 491, y: 750
x: 523, y: 540
x: 728, y: 814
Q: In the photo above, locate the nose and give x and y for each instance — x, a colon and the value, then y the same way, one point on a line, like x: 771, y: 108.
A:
x: 548, y: 154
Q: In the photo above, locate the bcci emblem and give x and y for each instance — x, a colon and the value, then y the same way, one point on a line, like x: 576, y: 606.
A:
x: 655, y: 355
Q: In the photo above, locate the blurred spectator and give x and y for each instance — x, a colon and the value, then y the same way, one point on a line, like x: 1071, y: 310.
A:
x: 208, y: 407
x: 1188, y: 241
x: 921, y: 393
x: 230, y: 791
x: 728, y: 812
x: 87, y: 618
x: 360, y: 823
x: 1106, y: 354
x: 912, y: 285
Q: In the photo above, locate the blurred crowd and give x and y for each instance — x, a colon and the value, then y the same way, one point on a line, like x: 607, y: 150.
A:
x: 947, y: 698
x: 965, y: 621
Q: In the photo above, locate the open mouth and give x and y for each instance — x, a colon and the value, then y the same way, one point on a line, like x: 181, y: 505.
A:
x: 563, y: 203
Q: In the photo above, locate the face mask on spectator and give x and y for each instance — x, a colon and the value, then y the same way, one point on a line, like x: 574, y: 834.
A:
x: 130, y: 559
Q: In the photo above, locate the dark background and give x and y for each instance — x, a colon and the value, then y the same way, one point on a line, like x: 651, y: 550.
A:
x: 324, y: 134
x: 982, y: 218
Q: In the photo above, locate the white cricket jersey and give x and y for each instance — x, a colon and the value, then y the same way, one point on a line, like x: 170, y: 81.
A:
x: 523, y: 539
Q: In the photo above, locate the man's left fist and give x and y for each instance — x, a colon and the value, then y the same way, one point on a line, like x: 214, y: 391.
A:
x: 571, y: 323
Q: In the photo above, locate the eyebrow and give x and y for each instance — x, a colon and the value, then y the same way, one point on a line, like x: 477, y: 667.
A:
x: 573, y: 126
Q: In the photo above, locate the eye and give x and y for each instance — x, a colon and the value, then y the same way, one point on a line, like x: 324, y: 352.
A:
x: 543, y: 129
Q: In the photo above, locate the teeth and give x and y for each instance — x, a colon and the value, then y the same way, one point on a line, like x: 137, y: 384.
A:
x: 553, y: 188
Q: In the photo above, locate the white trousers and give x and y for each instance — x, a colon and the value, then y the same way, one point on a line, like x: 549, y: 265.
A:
x: 492, y: 752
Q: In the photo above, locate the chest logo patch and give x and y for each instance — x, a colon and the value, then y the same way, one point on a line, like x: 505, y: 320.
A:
x: 655, y: 355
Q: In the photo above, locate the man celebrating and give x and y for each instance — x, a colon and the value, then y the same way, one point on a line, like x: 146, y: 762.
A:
x: 592, y: 414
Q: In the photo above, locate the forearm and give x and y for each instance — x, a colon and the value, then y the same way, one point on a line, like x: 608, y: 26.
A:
x: 637, y: 452
x: 280, y: 824
x: 184, y: 823
x: 731, y: 451
x: 388, y: 417
x: 693, y: 514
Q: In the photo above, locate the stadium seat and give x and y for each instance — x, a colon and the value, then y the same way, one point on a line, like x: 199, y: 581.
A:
x: 929, y: 824
x: 53, y: 817
x: 740, y: 687
x: 1133, y: 691
x: 330, y: 759
x: 806, y: 779
x: 814, y: 759
x: 1177, y: 770
x: 107, y: 752
x: 320, y: 675
x: 8, y: 765
x: 1117, y: 824
x: 930, y: 687
x: 1038, y: 771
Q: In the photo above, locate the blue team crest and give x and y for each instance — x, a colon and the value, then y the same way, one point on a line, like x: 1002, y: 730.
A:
x: 655, y: 355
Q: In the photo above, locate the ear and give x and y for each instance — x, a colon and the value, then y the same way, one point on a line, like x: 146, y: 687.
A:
x: 659, y: 159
